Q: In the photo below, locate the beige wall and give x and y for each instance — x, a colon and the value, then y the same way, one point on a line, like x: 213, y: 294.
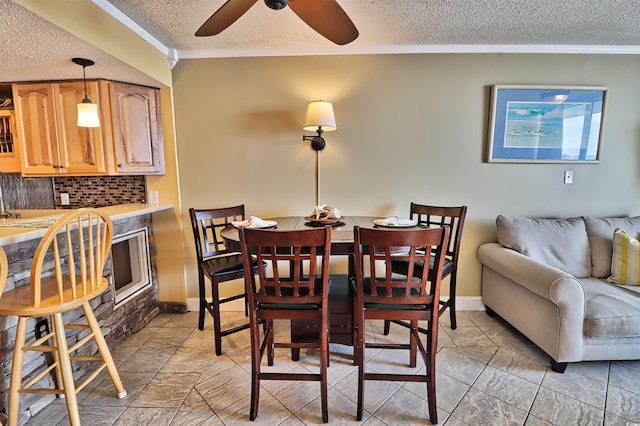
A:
x: 410, y: 128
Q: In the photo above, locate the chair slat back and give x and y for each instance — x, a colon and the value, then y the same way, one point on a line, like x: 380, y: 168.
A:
x: 78, y: 245
x: 297, y: 265
x: 207, y: 225
x: 376, y: 248
x: 453, y: 217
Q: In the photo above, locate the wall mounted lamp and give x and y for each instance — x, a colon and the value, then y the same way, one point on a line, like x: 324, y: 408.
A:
x: 320, y: 118
x: 87, y: 111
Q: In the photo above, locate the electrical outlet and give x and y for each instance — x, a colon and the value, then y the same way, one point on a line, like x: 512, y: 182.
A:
x: 153, y: 197
x: 64, y: 198
x: 42, y: 328
x: 568, y: 176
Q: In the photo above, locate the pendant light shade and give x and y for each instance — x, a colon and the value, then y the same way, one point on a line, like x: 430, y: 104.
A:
x: 87, y: 111
x: 88, y: 114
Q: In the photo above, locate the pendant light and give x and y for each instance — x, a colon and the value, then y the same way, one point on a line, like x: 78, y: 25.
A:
x: 87, y: 111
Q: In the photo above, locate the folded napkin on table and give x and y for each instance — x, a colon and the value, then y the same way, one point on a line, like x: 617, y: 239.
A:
x: 252, y: 222
x: 394, y: 221
x: 325, y: 212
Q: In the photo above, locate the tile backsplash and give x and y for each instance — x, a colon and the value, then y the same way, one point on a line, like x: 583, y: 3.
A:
x: 84, y: 191
x: 100, y: 191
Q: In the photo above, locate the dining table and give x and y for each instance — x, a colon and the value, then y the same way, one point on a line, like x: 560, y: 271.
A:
x: 340, y: 290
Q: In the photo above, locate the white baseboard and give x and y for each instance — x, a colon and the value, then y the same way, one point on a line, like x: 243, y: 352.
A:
x: 463, y: 303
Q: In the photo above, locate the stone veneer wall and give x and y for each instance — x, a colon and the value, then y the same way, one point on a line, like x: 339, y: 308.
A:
x: 117, y: 325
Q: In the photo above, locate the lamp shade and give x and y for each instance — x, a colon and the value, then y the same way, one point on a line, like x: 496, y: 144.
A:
x: 88, y: 115
x: 320, y: 114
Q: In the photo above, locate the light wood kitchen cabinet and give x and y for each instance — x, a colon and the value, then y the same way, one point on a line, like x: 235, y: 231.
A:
x: 50, y: 141
x: 135, y: 129
x: 9, y: 158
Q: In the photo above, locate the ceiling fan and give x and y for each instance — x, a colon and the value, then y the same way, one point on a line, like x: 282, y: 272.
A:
x: 324, y: 16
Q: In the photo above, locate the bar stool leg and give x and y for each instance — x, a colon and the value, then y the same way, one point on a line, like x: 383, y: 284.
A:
x: 16, y: 371
x: 104, y: 350
x: 68, y: 384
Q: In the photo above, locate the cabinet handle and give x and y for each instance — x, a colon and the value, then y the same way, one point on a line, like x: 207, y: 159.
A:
x: 61, y: 166
x: 120, y: 165
x: 55, y: 166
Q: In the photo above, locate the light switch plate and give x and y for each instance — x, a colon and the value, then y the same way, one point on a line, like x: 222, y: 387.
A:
x: 64, y: 198
x: 568, y: 176
x: 153, y: 197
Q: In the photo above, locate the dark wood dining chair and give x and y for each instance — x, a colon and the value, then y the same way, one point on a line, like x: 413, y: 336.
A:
x: 430, y: 216
x: 381, y: 295
x: 217, y: 263
x: 294, y: 286
x: 66, y: 275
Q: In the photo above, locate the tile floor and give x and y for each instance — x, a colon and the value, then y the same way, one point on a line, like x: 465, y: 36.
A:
x: 488, y: 374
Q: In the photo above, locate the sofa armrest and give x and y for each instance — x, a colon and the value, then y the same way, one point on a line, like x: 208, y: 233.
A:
x: 553, y: 318
x: 544, y: 280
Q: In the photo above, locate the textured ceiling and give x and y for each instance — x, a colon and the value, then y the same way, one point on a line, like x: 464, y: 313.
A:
x: 35, y: 49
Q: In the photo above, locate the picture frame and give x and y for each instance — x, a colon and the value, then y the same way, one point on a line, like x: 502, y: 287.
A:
x: 545, y: 124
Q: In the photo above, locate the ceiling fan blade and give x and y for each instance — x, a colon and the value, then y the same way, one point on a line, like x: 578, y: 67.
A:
x: 327, y: 18
x: 225, y: 16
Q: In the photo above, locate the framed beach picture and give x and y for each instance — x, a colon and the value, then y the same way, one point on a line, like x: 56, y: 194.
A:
x: 545, y: 124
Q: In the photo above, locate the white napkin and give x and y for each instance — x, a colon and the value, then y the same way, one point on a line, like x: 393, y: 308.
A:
x: 391, y: 221
x: 394, y: 221
x: 323, y: 211
x: 252, y: 222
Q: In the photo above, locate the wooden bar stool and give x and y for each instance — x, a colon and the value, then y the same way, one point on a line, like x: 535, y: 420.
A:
x: 78, y: 246
x: 381, y: 296
x: 217, y: 263
x: 429, y: 217
x: 294, y: 286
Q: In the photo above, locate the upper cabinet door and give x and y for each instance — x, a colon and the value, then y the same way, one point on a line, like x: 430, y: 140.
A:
x: 36, y: 127
x: 81, y: 148
x: 137, y: 129
x: 51, y: 143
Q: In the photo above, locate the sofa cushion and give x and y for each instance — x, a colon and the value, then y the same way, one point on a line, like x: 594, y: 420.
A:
x: 626, y: 259
x: 610, y: 311
x: 600, y: 234
x: 560, y: 243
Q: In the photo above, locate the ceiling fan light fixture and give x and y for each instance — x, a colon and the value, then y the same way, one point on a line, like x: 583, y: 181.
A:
x: 276, y: 4
x: 87, y: 111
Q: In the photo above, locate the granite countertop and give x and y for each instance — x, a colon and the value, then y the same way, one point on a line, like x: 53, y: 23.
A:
x: 33, y: 227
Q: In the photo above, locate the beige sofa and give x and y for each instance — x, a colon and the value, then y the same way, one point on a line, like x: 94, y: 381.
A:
x: 548, y: 278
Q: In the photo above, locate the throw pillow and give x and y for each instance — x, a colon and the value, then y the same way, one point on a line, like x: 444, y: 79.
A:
x: 560, y: 243
x: 626, y: 259
x: 600, y: 233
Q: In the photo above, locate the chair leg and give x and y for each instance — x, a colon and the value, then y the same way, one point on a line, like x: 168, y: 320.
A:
x: 324, y: 363
x: 360, y: 355
x: 413, y: 345
x: 255, y: 368
x: 203, y: 300
x: 452, y: 300
x: 104, y: 350
x: 68, y: 384
x: 16, y: 371
x: 56, y: 360
x: 215, y: 305
x: 432, y: 348
x: 270, y: 341
x: 387, y: 326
